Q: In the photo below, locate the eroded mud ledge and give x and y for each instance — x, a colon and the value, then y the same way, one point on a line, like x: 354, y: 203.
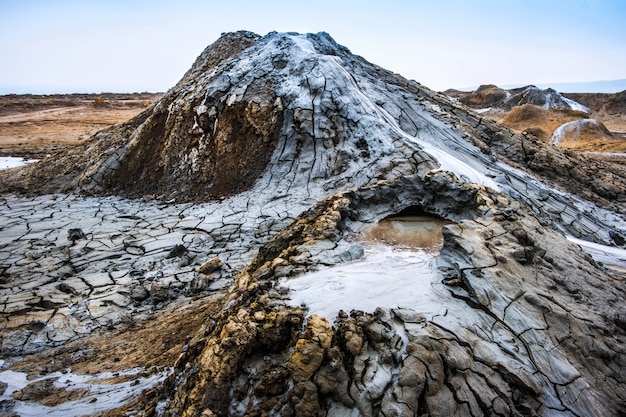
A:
x: 502, y: 344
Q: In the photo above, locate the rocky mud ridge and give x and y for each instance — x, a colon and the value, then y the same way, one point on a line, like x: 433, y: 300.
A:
x: 493, y: 96
x: 264, y: 165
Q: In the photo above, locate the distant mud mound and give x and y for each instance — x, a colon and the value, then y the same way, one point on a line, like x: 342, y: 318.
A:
x: 485, y: 96
x: 548, y: 99
x: 609, y: 104
x: 525, y: 114
x: 491, y: 96
x: 587, y: 135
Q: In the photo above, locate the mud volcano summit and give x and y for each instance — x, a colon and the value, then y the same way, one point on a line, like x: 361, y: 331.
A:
x: 249, y: 192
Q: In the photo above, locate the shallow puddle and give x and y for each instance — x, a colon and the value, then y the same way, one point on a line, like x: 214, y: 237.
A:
x: 7, y: 162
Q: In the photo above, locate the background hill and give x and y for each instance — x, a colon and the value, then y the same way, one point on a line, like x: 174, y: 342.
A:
x: 587, y: 122
x: 607, y: 86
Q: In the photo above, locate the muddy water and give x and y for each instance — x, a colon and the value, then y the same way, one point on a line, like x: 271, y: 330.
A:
x: 413, y: 233
x: 396, y: 271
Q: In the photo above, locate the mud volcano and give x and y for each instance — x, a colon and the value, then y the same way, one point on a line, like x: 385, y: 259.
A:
x: 265, y: 168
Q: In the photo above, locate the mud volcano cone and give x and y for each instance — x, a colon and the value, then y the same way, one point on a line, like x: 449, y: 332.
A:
x: 293, y: 145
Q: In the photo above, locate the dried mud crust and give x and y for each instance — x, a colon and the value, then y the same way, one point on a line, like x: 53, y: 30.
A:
x: 529, y: 324
x: 144, y: 343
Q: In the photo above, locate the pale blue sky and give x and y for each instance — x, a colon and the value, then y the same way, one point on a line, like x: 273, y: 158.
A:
x: 147, y: 45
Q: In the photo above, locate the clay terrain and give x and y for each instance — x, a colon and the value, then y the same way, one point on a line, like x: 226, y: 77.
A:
x: 36, y: 125
x: 291, y: 230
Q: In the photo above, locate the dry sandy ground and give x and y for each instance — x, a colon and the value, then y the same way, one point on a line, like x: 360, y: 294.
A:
x: 33, y: 126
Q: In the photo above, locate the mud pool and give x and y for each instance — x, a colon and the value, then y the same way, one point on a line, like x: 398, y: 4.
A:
x: 417, y: 233
x: 396, y: 271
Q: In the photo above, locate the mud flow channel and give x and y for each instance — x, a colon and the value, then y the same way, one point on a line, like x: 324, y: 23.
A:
x: 397, y: 270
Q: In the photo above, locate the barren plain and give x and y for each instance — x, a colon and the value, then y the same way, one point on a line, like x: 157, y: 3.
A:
x: 35, y: 125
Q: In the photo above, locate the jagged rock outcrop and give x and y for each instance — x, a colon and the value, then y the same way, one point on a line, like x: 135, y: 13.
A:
x: 289, y: 146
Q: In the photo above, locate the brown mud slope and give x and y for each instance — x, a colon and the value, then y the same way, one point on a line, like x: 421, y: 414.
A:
x: 538, y: 121
x: 132, y: 343
x: 36, y: 125
x: 209, y: 149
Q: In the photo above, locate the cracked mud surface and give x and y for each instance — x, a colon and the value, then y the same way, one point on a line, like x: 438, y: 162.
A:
x: 131, y: 257
x: 186, y: 279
